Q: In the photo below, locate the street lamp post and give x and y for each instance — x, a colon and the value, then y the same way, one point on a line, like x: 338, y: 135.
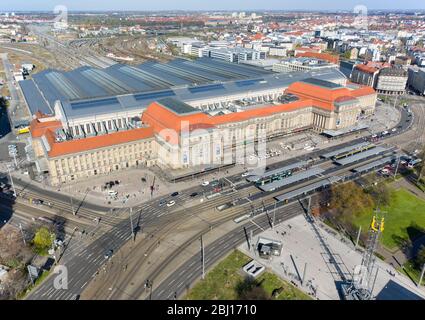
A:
x: 422, y: 275
x: 72, y: 203
x: 396, y: 168
x: 149, y: 285
x: 131, y: 223
x: 23, y: 236
x: 203, y: 258
x: 358, y: 236
x: 11, y: 181
x: 14, y: 159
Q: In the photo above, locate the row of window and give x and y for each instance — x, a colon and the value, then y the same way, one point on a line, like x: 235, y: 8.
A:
x: 104, y: 157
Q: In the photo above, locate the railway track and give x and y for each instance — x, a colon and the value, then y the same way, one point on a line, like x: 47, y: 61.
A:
x: 294, y: 210
x: 66, y: 208
x: 267, y: 202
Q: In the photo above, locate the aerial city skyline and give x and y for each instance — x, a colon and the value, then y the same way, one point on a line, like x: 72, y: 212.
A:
x: 127, y: 5
x: 212, y: 151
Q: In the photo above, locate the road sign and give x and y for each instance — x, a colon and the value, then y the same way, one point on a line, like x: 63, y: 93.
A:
x: 33, y: 272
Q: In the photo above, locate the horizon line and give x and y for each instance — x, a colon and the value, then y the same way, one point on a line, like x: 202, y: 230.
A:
x: 208, y: 10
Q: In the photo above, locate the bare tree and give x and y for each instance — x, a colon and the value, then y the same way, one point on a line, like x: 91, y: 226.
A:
x: 13, y: 251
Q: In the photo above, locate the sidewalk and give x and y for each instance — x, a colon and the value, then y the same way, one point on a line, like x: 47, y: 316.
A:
x: 302, y: 251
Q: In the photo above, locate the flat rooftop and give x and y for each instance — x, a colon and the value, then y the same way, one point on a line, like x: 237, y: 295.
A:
x: 86, y: 91
x: 322, y: 83
x: 177, y: 106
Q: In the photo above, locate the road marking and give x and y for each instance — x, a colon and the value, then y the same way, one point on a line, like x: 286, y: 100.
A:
x: 253, y: 222
x: 84, y: 285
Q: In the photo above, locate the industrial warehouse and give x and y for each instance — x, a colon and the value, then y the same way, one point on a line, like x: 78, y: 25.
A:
x: 181, y: 114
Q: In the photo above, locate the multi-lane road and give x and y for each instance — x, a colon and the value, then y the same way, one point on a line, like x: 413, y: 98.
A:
x: 150, y: 217
x: 185, y: 275
x: 121, y: 287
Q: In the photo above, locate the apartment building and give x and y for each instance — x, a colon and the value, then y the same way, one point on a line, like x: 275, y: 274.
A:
x: 391, y: 81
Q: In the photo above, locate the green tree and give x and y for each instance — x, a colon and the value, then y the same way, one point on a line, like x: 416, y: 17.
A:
x: 43, y: 240
x: 347, y: 54
x: 349, y: 199
x: 380, y: 193
x: 249, y: 289
x: 3, y: 102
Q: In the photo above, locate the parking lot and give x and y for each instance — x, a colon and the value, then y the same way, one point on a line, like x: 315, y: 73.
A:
x: 303, y: 248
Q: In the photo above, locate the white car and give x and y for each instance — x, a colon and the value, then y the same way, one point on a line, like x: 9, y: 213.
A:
x: 245, y: 174
x: 205, y: 183
x: 171, y: 203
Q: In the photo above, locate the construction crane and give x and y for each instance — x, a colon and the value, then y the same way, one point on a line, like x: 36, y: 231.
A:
x: 363, y: 281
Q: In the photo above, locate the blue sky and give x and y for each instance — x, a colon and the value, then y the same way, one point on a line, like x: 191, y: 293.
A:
x: 207, y: 4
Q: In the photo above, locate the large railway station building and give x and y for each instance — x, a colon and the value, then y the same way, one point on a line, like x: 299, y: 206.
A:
x: 182, y: 114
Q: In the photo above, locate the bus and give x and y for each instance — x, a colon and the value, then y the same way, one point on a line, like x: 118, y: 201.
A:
x: 23, y: 130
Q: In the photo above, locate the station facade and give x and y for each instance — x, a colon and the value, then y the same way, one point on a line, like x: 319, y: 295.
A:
x: 175, y: 134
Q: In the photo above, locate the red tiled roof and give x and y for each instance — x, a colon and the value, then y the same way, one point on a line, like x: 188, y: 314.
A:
x: 38, y: 128
x: 378, y: 65
x: 80, y: 145
x: 362, y: 91
x: 323, y: 56
x: 260, y: 112
x: 365, y: 68
x: 167, y: 124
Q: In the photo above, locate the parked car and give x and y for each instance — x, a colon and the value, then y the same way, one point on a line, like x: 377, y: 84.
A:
x: 193, y: 194
x: 205, y: 183
x: 174, y: 194
x: 171, y: 203
x: 112, y: 193
x: 245, y: 174
x: 162, y: 202
x: 215, y: 183
x: 37, y: 201
x: 109, y: 253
